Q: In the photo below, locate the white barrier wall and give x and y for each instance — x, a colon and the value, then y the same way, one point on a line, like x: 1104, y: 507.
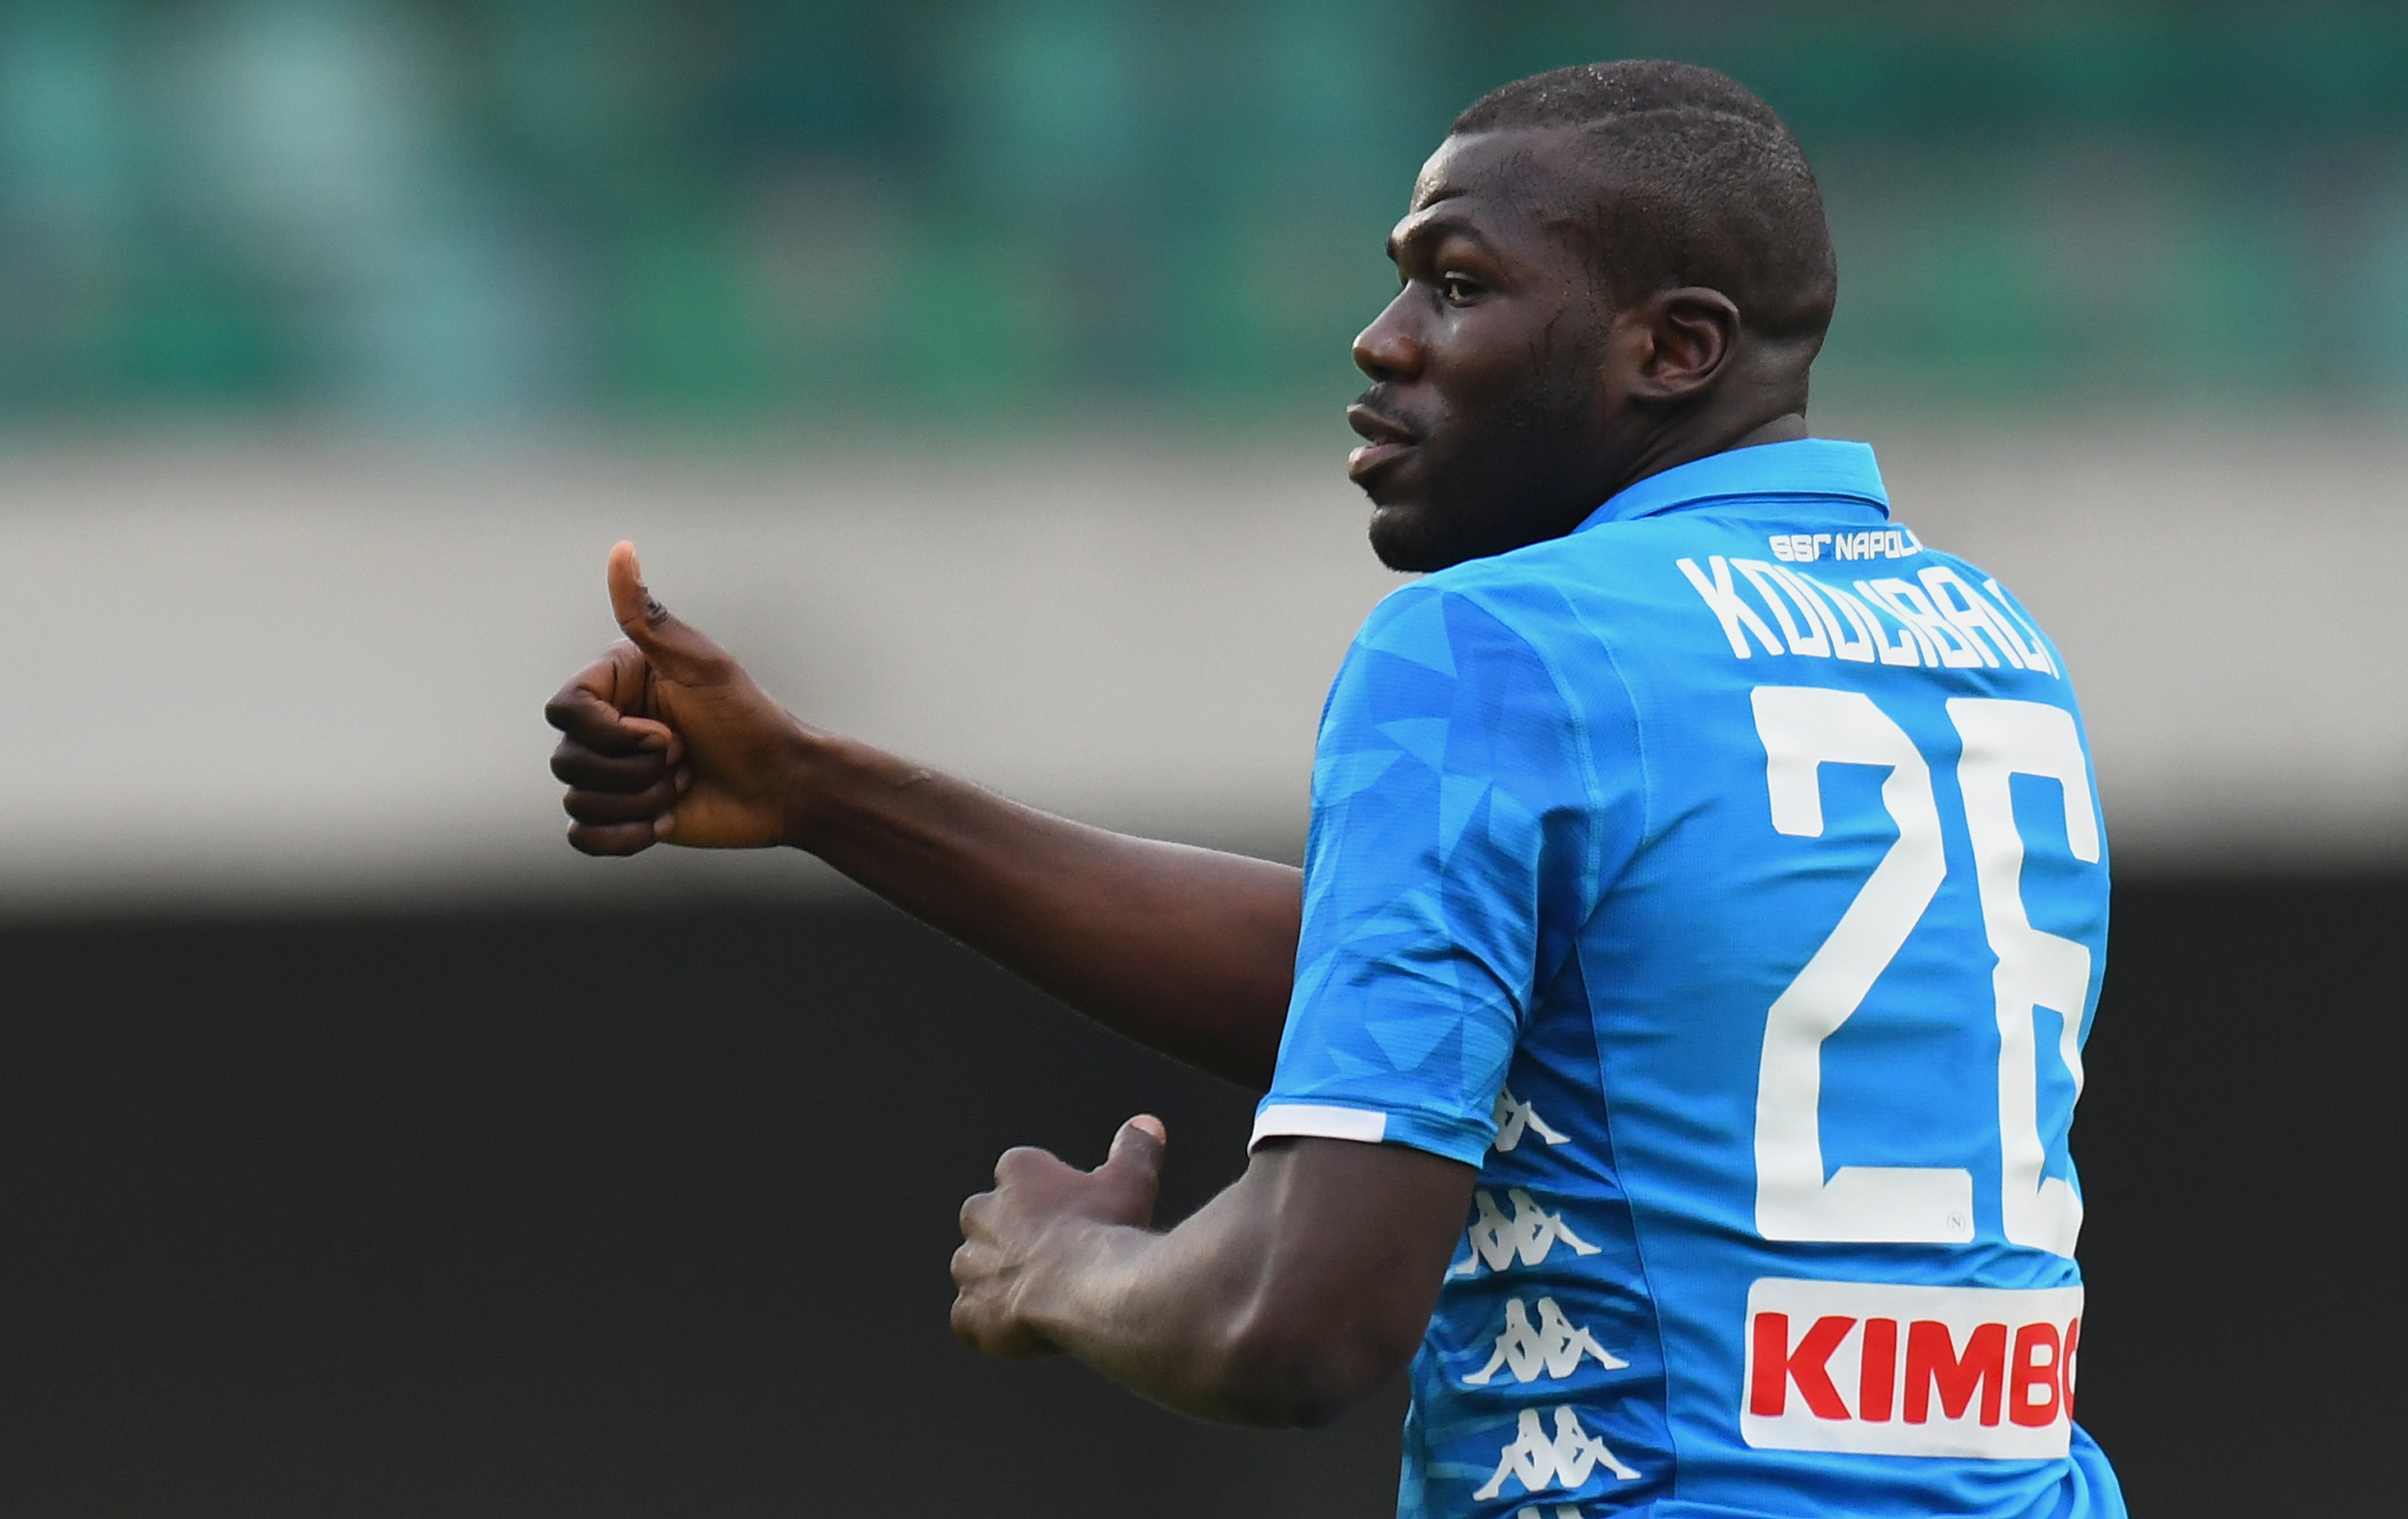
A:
x: 252, y: 674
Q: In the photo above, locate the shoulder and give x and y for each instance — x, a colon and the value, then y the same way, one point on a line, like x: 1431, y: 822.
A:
x: 1468, y: 624
x: 1522, y: 593
x: 1602, y: 562
x: 1562, y: 599
x: 1518, y: 639
x: 1479, y: 642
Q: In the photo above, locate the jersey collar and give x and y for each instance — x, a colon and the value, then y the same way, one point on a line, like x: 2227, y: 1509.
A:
x: 1808, y: 467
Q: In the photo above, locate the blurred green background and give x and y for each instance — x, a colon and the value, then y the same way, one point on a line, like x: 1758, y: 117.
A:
x: 482, y: 213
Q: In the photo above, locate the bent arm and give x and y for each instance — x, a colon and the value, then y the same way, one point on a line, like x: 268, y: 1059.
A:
x: 1189, y: 951
x: 1294, y: 1293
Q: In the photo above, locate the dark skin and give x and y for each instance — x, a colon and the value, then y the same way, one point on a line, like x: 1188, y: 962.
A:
x: 1509, y: 397
x: 1511, y: 393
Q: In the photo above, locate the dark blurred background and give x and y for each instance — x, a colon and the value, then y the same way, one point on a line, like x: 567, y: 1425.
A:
x: 974, y: 370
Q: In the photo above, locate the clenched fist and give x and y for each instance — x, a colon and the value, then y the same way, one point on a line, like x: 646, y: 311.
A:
x: 1008, y: 1233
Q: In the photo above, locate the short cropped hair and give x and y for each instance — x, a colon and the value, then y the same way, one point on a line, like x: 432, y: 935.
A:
x: 1697, y: 183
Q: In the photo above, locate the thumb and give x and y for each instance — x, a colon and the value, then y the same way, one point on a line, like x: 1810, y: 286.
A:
x: 675, y: 650
x: 1137, y: 1154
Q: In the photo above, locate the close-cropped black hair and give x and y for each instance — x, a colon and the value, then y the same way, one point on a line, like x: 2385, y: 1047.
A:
x: 1697, y: 183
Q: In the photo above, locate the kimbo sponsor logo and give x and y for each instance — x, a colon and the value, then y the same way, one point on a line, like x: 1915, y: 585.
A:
x: 1879, y: 1368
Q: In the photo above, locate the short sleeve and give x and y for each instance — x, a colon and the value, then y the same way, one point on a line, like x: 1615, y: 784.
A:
x: 1451, y: 864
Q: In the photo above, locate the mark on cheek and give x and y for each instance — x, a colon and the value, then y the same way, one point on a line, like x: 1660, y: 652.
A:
x: 1542, y: 347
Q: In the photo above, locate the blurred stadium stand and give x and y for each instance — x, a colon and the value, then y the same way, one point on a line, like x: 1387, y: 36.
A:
x: 974, y: 369
x: 726, y: 212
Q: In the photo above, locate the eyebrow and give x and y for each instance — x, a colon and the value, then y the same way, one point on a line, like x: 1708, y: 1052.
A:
x: 1426, y: 228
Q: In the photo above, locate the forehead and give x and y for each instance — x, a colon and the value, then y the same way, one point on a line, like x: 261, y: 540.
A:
x: 1511, y: 184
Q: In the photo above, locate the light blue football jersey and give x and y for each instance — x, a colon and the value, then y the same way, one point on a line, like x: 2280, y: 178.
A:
x: 1725, y: 880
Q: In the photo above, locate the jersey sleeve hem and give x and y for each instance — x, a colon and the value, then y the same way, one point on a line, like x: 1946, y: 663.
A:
x: 1447, y: 1137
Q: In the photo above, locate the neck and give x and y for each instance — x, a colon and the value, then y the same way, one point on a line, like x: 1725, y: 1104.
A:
x: 1704, y: 436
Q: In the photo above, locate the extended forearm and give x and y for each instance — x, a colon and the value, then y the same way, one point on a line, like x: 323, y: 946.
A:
x: 1158, y: 1316
x: 1284, y: 1300
x: 1187, y: 949
x: 1199, y: 1321
x: 1292, y: 1293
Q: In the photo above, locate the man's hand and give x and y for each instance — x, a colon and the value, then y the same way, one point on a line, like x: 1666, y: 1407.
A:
x: 1005, y: 1232
x: 667, y: 739
x: 1298, y: 1289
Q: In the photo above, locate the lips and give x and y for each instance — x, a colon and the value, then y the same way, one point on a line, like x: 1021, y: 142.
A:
x: 1385, y: 439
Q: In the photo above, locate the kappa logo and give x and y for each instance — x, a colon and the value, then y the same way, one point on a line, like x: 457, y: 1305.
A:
x: 1530, y: 1234
x: 1553, y: 1347
x: 1539, y: 1463
x: 1514, y: 1118
x: 1880, y: 1368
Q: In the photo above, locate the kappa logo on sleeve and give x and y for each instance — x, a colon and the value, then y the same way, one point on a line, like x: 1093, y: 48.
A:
x: 1879, y: 1368
x: 1515, y: 1118
x: 1539, y: 1463
x: 1529, y: 1235
x: 1553, y: 1348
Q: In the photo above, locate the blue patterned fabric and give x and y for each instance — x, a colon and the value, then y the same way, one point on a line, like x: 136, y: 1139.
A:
x: 1723, y: 882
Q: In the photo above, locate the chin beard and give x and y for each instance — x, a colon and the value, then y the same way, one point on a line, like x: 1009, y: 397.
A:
x: 1442, y: 518
x: 1515, y: 484
x: 1445, y: 525
x: 1413, y: 540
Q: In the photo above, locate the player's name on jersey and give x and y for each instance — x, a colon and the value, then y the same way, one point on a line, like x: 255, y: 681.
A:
x: 1874, y: 543
x: 1935, y: 620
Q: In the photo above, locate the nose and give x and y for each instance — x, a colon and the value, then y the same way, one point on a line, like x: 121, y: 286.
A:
x: 1387, y: 348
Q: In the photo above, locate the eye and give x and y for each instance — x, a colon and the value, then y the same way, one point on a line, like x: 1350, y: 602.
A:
x: 1459, y: 289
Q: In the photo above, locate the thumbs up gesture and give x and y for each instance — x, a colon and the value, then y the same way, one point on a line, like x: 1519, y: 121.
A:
x: 666, y: 740
x: 1014, y: 1239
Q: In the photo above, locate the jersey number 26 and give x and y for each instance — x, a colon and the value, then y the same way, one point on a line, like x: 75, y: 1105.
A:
x: 1804, y: 728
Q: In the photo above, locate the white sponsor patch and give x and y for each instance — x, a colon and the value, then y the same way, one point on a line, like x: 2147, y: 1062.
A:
x: 1876, y: 1368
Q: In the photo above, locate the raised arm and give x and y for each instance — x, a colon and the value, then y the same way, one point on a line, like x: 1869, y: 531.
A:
x: 666, y: 740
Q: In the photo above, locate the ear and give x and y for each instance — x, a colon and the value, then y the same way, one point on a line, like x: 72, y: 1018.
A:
x: 1678, y: 341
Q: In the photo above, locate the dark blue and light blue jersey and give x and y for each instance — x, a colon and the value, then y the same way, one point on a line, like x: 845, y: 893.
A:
x: 1725, y: 882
